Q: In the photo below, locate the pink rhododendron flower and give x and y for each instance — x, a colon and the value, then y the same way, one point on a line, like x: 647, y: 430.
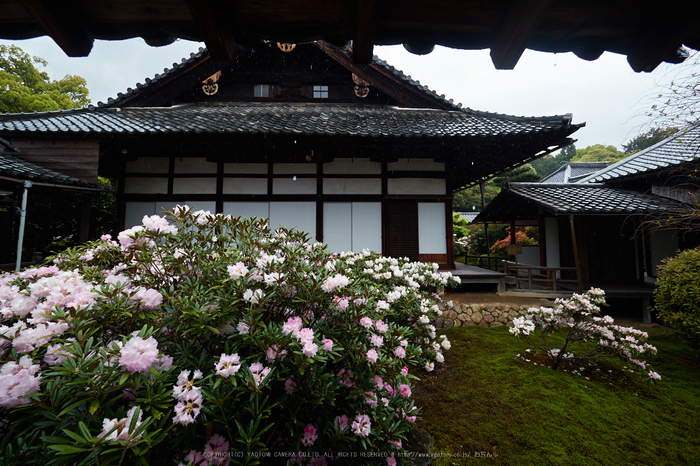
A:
x: 404, y: 390
x: 273, y: 352
x: 382, y: 305
x: 293, y: 325
x: 327, y: 344
x: 310, y: 349
x: 56, y: 354
x: 653, y: 375
x: 149, y: 298
x: 342, y: 303
x: 381, y: 326
x: 429, y: 366
x: 158, y: 223
x: 399, y: 352
x: 391, y: 461
x: 361, y: 426
x: 309, y: 436
x: 340, y: 422
x: 185, y: 384
x: 127, y: 237
x: 371, y: 356
x: 138, y: 354
x: 18, y: 380
x: 337, y: 281
x: 366, y: 322
x: 290, y: 386
x: 237, y: 271
x: 243, y: 328
x: 187, y: 410
x: 305, y: 335
x: 404, y: 371
x: 259, y: 373
x: 120, y: 427
x: 376, y: 340
x: 217, y: 450
x: 228, y: 365
x: 346, y: 378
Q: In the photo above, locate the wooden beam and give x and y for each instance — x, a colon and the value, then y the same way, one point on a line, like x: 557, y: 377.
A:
x: 363, y: 34
x: 63, y: 23
x: 523, y: 19
x: 212, y: 19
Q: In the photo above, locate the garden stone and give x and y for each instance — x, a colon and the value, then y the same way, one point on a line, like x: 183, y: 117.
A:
x: 476, y: 317
x: 449, y: 323
x: 488, y: 318
x: 484, y: 324
x: 418, y: 443
x: 496, y: 324
x: 457, y: 323
x: 503, y: 319
x: 439, y: 321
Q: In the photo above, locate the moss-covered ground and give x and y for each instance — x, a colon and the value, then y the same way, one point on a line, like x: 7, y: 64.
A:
x: 486, y: 405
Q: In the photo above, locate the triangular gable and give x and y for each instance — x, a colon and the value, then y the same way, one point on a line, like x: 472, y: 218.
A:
x: 198, y: 78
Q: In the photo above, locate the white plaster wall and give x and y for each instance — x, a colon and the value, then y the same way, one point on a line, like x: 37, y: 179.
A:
x: 349, y: 166
x: 254, y: 168
x: 194, y: 165
x: 194, y: 186
x: 367, y: 226
x: 551, y: 239
x: 416, y: 165
x: 352, y: 186
x: 247, y: 209
x: 146, y: 185
x: 134, y: 211
x: 147, y: 165
x: 432, y: 233
x: 337, y: 226
x: 298, y: 215
x: 416, y: 186
x: 245, y: 186
x: 292, y: 186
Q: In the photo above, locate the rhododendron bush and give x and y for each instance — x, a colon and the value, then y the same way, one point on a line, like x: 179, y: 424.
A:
x: 201, y: 339
x: 583, y: 333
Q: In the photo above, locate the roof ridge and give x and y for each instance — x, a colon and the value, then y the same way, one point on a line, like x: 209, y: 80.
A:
x: 639, y: 154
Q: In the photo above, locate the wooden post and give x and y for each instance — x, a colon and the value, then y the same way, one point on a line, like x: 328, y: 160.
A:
x: 85, y: 220
x: 579, y: 278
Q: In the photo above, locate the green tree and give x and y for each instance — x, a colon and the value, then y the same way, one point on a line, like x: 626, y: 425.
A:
x: 523, y: 173
x: 23, y: 88
x: 598, y: 153
x: 548, y: 164
x: 469, y: 200
x: 648, y: 139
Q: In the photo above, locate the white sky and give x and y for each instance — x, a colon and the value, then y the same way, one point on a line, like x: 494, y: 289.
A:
x: 606, y: 93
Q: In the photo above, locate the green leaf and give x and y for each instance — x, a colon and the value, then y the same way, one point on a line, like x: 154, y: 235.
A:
x: 68, y: 449
x: 70, y: 407
x: 94, y: 404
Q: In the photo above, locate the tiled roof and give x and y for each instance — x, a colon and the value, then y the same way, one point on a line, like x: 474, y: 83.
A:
x: 18, y: 169
x: 167, y: 73
x: 570, y: 172
x: 591, y: 198
x: 682, y: 147
x: 282, y: 118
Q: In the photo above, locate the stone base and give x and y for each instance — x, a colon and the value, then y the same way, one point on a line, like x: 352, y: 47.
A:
x: 484, y: 315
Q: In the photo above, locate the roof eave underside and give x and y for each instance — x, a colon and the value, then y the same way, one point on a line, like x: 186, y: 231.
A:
x: 648, y: 36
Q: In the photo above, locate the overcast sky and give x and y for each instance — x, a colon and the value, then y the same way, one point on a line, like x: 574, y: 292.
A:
x: 606, y: 93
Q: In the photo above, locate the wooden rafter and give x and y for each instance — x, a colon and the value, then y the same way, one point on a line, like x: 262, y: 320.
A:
x: 209, y: 16
x: 523, y: 19
x: 363, y: 35
x: 59, y: 22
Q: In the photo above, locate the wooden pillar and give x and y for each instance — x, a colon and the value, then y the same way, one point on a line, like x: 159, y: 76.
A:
x: 579, y: 277
x: 84, y: 220
x: 450, y: 234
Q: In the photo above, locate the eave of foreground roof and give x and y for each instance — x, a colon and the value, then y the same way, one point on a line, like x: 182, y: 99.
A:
x: 17, y: 170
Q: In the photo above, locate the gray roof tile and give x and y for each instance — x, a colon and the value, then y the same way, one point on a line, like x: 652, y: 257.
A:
x: 680, y: 148
x: 283, y: 118
x: 573, y: 171
x: 16, y: 168
x: 590, y: 198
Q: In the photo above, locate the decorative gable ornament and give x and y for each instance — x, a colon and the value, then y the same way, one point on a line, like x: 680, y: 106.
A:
x: 361, y: 86
x: 209, y: 86
x: 286, y: 47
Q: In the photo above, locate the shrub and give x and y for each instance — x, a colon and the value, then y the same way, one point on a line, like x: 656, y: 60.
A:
x: 677, y: 294
x: 206, y: 339
x: 582, y: 333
